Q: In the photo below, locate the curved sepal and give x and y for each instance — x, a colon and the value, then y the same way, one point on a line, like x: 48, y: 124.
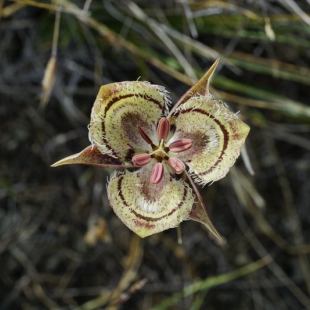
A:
x: 91, y: 156
x: 199, y: 214
x: 201, y: 88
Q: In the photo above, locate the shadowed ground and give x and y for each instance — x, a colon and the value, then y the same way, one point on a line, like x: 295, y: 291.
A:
x: 61, y: 245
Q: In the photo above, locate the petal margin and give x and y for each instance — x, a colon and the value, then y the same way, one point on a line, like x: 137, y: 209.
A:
x: 91, y: 156
x: 118, y: 109
x: 148, y: 208
x: 217, y: 135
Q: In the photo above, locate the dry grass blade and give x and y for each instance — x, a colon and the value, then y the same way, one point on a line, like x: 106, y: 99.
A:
x: 50, y: 71
x: 273, y: 266
x: 131, y: 265
x: 293, y: 6
x: 158, y: 30
x: 11, y: 9
x: 48, y: 81
x: 213, y: 281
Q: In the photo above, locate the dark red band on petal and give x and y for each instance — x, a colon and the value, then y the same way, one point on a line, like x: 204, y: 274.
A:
x: 119, y: 189
x: 143, y: 224
x: 140, y: 216
x: 225, y: 134
x: 116, y: 99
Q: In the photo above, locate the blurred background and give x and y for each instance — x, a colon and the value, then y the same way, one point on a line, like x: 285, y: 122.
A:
x: 62, y: 246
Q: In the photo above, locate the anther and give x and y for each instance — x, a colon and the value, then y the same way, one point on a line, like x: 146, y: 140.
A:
x: 180, y: 145
x: 163, y: 129
x: 144, y: 135
x: 177, y: 165
x: 157, y: 173
x: 141, y: 160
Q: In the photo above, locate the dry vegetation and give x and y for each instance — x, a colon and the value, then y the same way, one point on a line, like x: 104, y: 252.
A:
x: 61, y: 245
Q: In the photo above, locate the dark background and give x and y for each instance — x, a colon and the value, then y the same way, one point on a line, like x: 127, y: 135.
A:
x: 61, y: 245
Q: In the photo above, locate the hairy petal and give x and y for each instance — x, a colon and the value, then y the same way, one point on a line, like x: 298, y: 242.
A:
x: 118, y: 110
x: 148, y: 208
x: 217, y: 135
x: 91, y: 156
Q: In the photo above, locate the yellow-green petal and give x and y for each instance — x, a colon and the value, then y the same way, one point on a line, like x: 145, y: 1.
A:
x: 148, y: 208
x: 118, y: 110
x: 217, y: 135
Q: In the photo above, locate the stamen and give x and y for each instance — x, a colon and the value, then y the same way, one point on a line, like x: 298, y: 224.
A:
x: 141, y: 160
x: 157, y: 173
x: 144, y: 135
x: 180, y: 145
x: 163, y: 129
x: 177, y: 165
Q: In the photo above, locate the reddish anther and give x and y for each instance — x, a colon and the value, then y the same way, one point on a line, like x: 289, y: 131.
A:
x: 180, y: 145
x: 157, y: 173
x: 177, y: 165
x: 163, y: 129
x: 141, y: 160
x: 144, y: 135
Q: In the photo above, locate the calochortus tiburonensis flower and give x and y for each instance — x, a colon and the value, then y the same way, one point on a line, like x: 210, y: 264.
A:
x: 197, y: 141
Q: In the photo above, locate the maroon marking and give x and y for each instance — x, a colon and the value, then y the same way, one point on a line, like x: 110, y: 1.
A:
x: 143, y: 224
x: 225, y: 133
x: 119, y: 189
x: 146, y: 218
x: 109, y: 105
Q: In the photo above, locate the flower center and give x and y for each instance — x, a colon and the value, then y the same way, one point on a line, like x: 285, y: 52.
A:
x: 161, y: 152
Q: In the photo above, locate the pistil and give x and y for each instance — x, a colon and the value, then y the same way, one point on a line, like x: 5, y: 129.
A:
x: 160, y: 151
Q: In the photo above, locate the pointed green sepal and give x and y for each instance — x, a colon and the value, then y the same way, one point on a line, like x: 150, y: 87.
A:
x: 199, y: 214
x: 91, y: 156
x: 199, y: 88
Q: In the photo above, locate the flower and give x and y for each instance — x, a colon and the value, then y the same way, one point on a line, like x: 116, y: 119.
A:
x: 131, y: 127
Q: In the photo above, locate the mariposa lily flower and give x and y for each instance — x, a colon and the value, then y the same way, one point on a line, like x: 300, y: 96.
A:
x: 197, y: 141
